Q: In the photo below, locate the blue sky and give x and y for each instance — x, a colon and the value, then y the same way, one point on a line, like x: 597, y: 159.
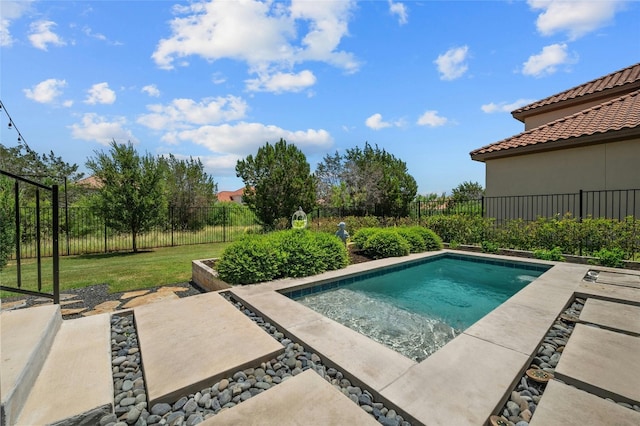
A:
x: 429, y: 81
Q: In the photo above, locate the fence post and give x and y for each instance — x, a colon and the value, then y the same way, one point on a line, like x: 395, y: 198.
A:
x: 580, y: 219
x: 56, y: 252
x: 16, y: 195
x: 482, y: 206
x: 171, y: 222
x: 224, y: 224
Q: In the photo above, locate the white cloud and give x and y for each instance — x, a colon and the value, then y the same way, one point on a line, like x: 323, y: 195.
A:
x: 399, y: 9
x: 577, y: 17
x: 151, y: 90
x: 505, y: 106
x: 96, y: 128
x: 245, y: 138
x: 41, y: 35
x: 100, y: 93
x: 547, y: 61
x: 375, y: 122
x: 451, y: 64
x: 262, y: 34
x: 432, y: 119
x: 46, y: 91
x: 282, y: 82
x: 185, y: 113
x: 11, y: 10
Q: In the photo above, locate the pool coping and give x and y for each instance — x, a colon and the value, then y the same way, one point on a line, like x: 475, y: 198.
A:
x: 468, y: 379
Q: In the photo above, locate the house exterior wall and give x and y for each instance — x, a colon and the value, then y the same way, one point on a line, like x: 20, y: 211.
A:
x: 610, y: 166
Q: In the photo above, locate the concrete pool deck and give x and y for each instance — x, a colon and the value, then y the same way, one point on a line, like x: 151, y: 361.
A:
x: 471, y: 377
x: 463, y: 383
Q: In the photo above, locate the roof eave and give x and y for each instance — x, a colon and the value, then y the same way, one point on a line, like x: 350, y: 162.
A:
x: 598, y: 138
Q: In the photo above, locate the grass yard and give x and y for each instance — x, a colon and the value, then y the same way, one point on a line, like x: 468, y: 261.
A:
x: 121, y: 271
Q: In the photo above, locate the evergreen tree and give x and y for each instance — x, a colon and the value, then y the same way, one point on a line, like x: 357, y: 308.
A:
x: 277, y: 181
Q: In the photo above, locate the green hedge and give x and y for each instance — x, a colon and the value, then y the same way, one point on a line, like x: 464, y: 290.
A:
x: 379, y: 243
x: 290, y: 253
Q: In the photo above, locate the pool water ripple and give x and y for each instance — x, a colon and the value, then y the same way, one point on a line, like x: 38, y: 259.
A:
x: 414, y: 335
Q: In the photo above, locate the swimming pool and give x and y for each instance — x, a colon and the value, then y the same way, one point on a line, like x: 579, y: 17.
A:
x: 417, y: 308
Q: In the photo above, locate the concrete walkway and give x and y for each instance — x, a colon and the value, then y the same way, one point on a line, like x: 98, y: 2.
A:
x: 186, y: 343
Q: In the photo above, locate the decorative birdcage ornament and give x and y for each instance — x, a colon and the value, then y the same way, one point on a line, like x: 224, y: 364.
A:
x: 299, y: 219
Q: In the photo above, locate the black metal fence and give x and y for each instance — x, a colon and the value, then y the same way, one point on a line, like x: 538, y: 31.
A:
x: 606, y: 204
x: 45, y: 216
x: 83, y: 232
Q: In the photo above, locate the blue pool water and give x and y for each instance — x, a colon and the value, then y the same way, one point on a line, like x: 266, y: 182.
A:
x: 416, y: 310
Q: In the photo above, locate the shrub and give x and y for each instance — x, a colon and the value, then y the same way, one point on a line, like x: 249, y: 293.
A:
x: 432, y: 241
x: 299, y: 254
x: 362, y: 235
x: 386, y: 243
x: 247, y: 261
x: 489, y: 247
x: 554, y: 254
x: 613, y: 258
x: 290, y: 253
x: 414, y: 238
x: 335, y: 253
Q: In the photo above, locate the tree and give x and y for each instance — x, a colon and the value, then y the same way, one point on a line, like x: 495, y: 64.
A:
x: 47, y: 169
x: 465, y: 198
x: 369, y: 180
x: 131, y: 198
x: 7, y: 235
x: 277, y: 181
x: 188, y: 189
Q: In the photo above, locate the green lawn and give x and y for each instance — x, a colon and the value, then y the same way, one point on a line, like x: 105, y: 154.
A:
x: 122, y: 271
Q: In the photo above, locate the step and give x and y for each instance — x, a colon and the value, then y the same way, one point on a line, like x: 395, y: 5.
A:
x: 602, y: 362
x: 189, y: 342
x: 567, y: 406
x: 301, y: 400
x: 26, y: 337
x: 75, y: 385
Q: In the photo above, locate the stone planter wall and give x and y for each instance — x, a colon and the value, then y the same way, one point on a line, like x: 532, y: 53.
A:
x: 205, y: 277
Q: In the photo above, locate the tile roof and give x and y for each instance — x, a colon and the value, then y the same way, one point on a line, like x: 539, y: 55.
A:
x: 91, y: 182
x: 228, y: 195
x: 610, y: 116
x: 627, y: 76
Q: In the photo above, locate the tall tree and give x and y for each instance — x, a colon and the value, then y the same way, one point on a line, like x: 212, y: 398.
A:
x: 131, y: 198
x: 49, y: 169
x: 188, y: 188
x: 277, y: 181
x: 371, y: 180
x: 466, y: 191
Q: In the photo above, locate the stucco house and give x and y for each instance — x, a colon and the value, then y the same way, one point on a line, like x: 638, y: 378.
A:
x: 231, y: 196
x: 586, y: 138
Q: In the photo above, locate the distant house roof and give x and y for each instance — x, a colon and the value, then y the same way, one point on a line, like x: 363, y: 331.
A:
x: 91, y: 182
x: 622, y: 81
x: 608, y: 121
x: 230, y: 195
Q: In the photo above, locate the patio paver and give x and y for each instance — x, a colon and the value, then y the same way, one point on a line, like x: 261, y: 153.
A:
x: 602, y: 362
x: 189, y: 342
x: 617, y: 316
x: 461, y: 384
x: 567, y: 406
x: 305, y: 399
